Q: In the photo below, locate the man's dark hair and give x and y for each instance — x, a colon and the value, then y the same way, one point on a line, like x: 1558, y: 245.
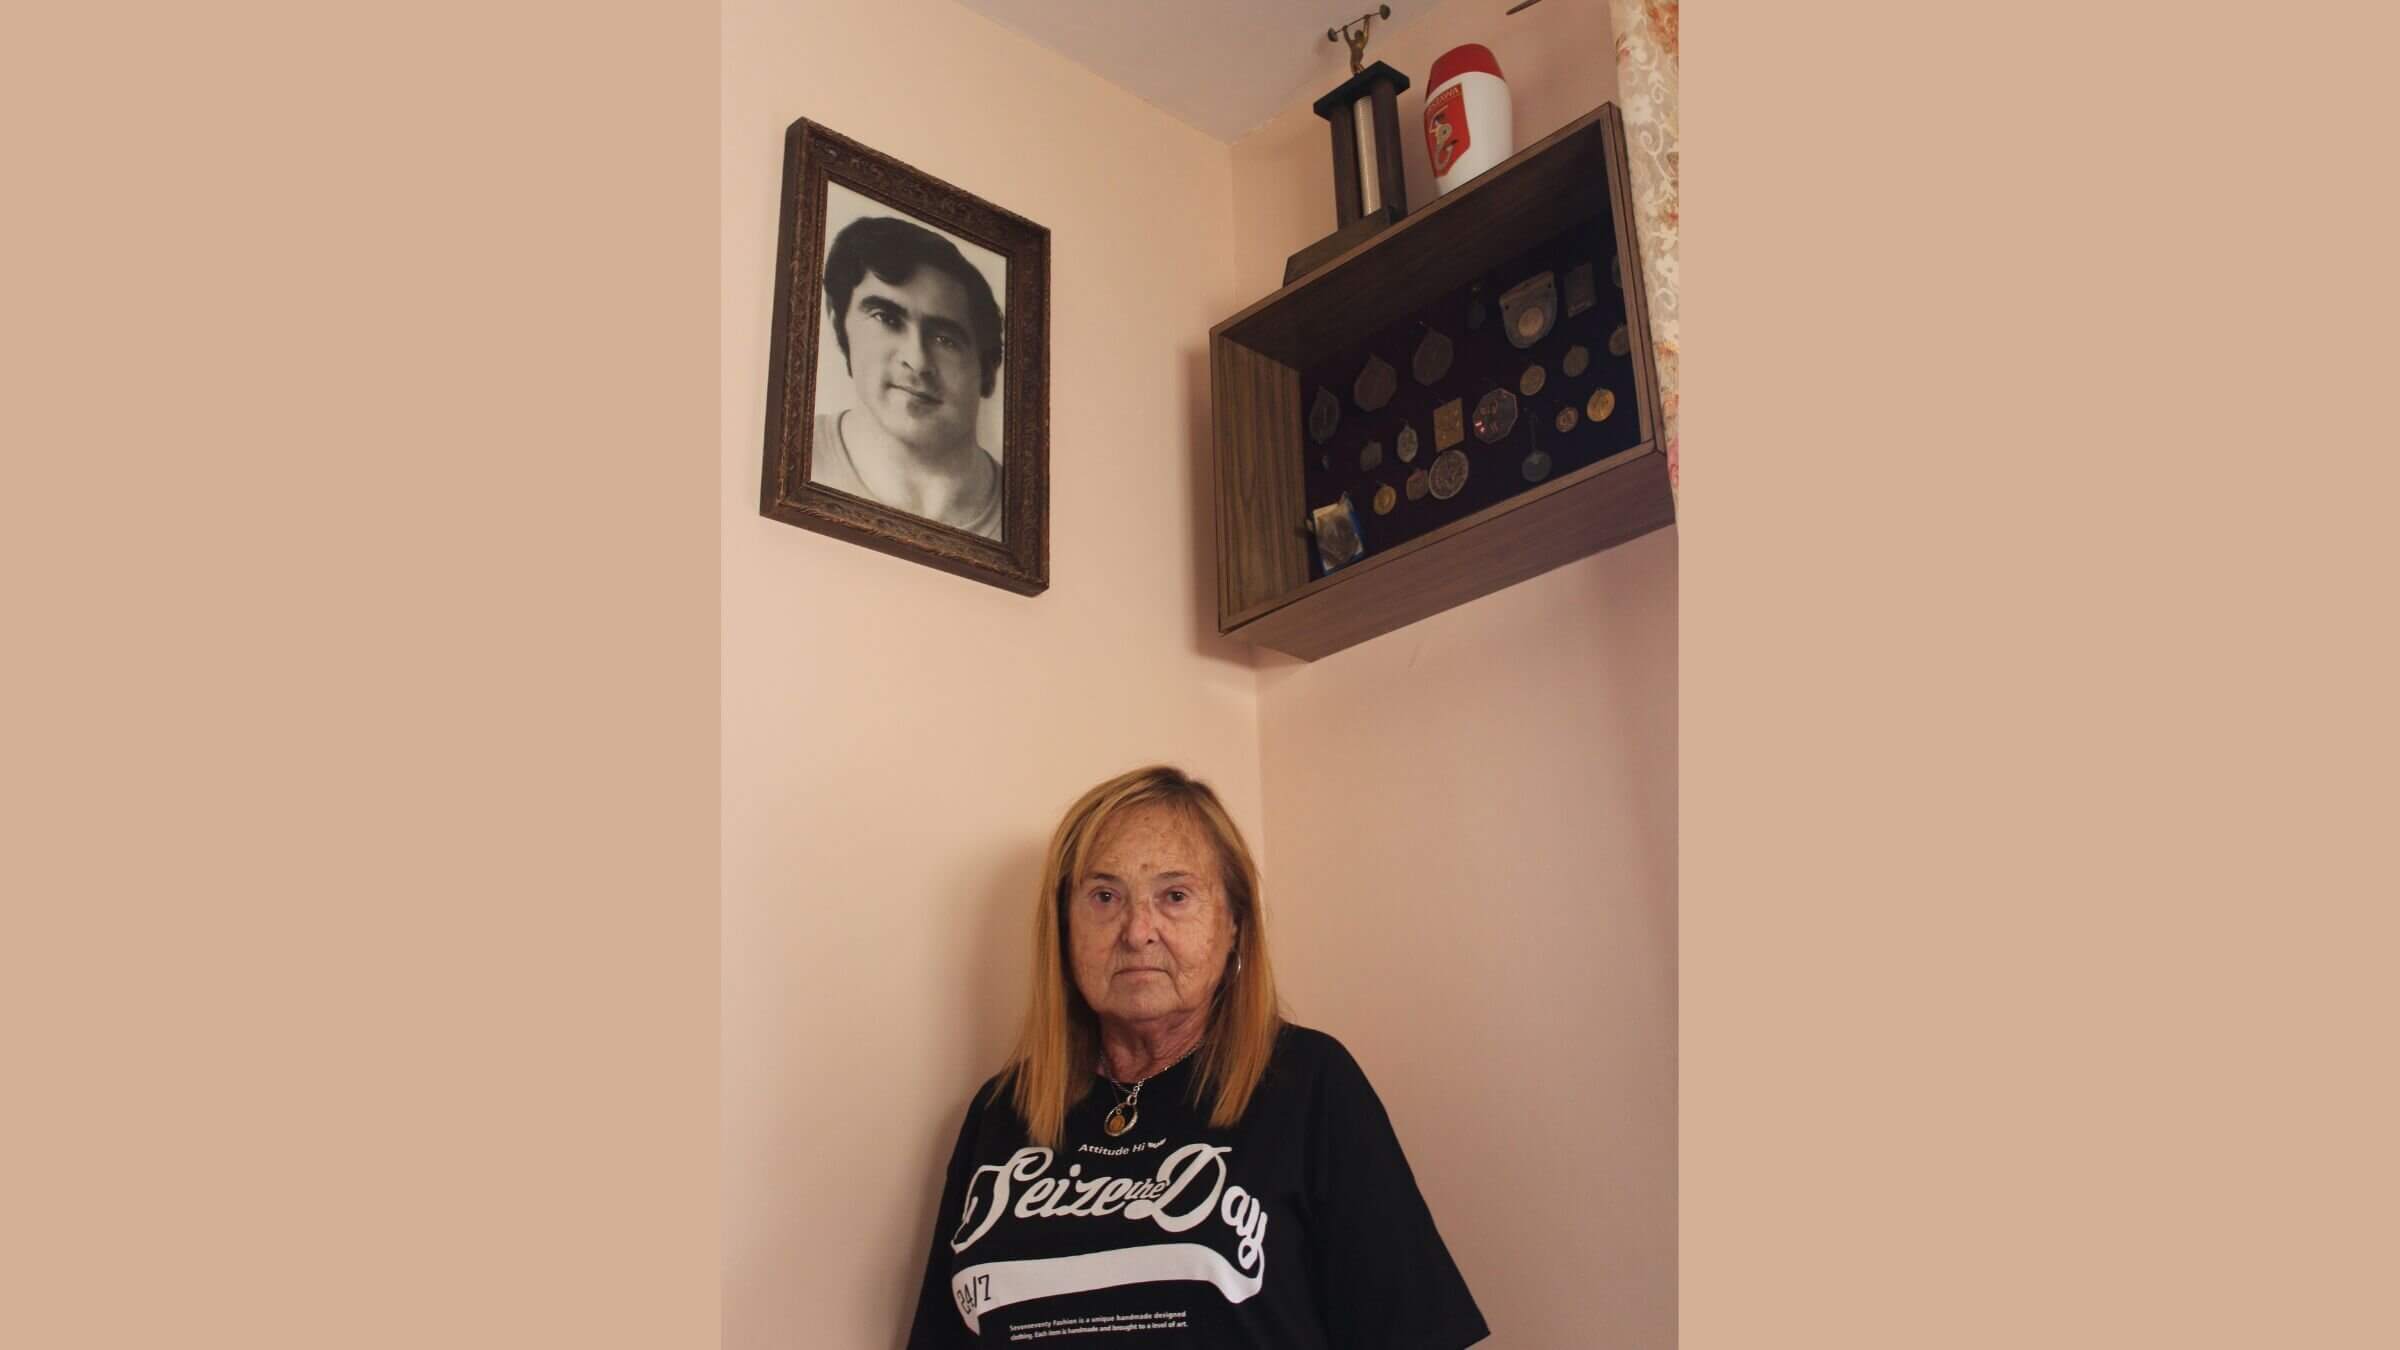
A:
x: 894, y: 250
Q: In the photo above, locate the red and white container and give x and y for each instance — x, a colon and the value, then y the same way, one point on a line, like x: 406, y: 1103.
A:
x: 1467, y: 118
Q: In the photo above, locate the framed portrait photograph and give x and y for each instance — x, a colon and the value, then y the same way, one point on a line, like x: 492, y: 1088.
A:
x: 908, y: 403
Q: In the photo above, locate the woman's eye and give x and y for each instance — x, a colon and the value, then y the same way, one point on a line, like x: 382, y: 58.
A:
x: 1104, y: 897
x: 1179, y: 896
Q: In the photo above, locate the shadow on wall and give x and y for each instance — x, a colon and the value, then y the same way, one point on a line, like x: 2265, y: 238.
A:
x: 1199, y: 429
x: 1644, y: 665
x: 991, y: 976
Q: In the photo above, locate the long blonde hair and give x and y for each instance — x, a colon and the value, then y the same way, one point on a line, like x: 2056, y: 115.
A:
x: 1051, y: 1069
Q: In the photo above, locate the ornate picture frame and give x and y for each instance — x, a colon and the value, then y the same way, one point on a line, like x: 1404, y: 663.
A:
x: 878, y: 427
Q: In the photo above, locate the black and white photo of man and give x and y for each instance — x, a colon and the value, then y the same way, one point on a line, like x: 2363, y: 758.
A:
x: 909, y: 382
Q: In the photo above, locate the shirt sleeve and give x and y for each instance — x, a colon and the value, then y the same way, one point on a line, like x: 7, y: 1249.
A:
x: 938, y: 1325
x: 1384, y: 1279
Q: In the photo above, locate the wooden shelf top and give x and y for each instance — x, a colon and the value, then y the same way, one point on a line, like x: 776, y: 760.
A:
x: 1525, y: 198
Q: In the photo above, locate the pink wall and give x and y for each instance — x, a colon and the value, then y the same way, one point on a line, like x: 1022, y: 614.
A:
x: 1474, y: 822
x: 898, y: 742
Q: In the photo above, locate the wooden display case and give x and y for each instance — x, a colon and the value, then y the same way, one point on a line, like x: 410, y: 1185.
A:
x: 1267, y: 588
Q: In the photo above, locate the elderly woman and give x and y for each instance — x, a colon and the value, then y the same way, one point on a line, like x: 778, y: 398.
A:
x: 1164, y: 1159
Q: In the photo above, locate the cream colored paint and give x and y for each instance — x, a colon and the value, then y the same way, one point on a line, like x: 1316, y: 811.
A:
x: 1225, y: 66
x: 1467, y: 826
x: 1474, y: 822
x: 1474, y: 874
x: 898, y: 742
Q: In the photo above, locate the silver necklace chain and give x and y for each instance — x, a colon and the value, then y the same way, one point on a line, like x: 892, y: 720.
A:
x: 1133, y: 1095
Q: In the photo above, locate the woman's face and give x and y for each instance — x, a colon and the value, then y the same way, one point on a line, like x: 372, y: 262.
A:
x: 1148, y: 924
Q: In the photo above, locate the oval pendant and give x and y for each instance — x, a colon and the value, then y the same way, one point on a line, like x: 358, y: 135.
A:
x: 1118, y: 1121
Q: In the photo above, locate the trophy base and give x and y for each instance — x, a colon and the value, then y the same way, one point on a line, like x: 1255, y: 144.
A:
x: 1339, y: 242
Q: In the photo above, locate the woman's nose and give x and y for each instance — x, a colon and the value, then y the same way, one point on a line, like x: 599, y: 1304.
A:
x: 1141, y: 923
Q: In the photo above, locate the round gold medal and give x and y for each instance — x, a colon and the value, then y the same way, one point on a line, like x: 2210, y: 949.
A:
x: 1577, y: 357
x: 1566, y: 418
x: 1603, y: 402
x: 1449, y: 474
x: 1531, y: 382
x: 1385, y: 500
x: 1618, y: 344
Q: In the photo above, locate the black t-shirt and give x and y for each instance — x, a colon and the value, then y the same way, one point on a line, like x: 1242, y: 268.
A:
x: 1301, y: 1227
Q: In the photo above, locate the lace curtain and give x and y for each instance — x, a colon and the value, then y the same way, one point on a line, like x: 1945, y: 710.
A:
x: 1646, y: 66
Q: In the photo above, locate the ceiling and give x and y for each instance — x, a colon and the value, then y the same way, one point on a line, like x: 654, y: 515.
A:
x: 1224, y: 66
